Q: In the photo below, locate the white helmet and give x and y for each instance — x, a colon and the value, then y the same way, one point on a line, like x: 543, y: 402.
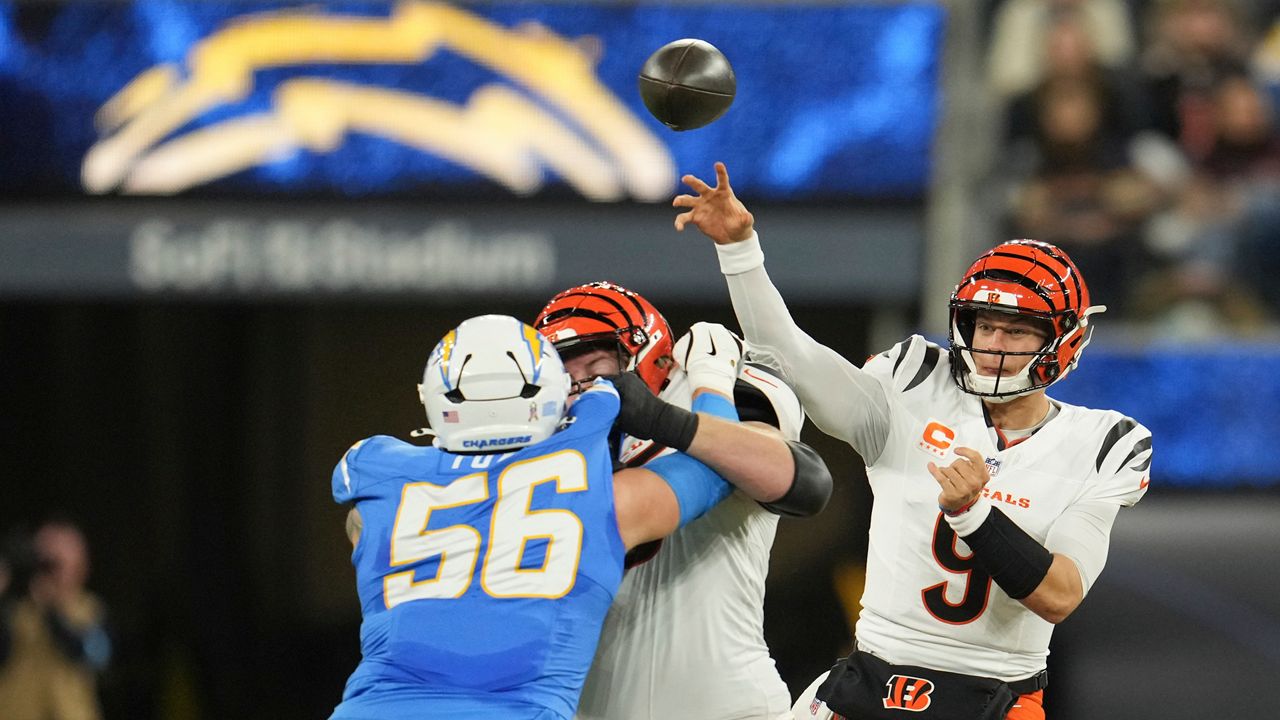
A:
x: 493, y: 384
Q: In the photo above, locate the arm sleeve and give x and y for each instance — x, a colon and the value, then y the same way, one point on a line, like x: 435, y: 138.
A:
x: 1083, y: 533
x: 841, y: 399
x: 697, y: 487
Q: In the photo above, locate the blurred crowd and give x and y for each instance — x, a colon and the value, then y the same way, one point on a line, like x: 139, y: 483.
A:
x: 53, y: 641
x: 1140, y: 135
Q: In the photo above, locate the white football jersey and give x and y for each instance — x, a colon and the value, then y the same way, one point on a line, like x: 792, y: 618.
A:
x: 926, y: 602
x: 685, y: 638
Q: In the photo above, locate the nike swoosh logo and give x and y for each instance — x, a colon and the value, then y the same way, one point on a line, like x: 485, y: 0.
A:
x: 1145, y: 482
x: 713, y: 346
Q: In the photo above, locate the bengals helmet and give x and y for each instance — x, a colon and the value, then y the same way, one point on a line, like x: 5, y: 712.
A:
x: 1030, y: 279
x: 602, y: 312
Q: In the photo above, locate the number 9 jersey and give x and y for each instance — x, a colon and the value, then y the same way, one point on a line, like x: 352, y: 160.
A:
x: 483, y: 579
x: 927, y: 602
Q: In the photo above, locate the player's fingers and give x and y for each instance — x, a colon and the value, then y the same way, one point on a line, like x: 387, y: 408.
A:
x: 698, y: 186
x: 683, y: 218
x: 975, y: 464
x: 939, y: 474
x: 722, y: 176
x: 684, y: 201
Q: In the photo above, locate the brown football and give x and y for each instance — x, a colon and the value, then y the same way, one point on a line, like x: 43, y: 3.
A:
x: 687, y: 84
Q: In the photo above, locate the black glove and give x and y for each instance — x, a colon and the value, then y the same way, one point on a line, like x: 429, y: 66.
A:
x: 648, y: 417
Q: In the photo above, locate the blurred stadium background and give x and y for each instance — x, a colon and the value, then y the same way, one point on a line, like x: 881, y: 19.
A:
x: 230, y: 232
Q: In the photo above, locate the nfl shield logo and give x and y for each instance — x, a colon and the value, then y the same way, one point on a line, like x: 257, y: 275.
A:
x: 993, y: 467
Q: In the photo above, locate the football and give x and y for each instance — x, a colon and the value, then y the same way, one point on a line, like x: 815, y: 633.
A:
x: 687, y: 84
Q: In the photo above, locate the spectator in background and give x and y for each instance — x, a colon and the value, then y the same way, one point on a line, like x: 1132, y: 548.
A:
x: 1078, y: 189
x: 1069, y: 53
x: 1195, y: 44
x: 58, y: 643
x: 1016, y: 60
x: 1225, y: 226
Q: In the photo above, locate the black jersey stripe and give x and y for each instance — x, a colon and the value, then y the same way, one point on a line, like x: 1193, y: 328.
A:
x: 1138, y: 448
x: 930, y: 362
x: 649, y: 453
x: 902, y: 354
x: 1119, y: 430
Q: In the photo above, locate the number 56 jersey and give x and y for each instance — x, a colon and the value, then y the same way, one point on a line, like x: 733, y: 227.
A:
x: 483, y: 579
x: 926, y: 600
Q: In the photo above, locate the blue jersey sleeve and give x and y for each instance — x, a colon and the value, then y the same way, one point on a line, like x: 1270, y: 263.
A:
x: 346, y: 475
x: 697, y: 487
x: 597, y: 408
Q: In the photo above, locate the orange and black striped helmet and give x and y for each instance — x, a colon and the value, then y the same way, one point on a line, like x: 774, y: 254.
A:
x: 1031, y: 279
x: 604, y: 312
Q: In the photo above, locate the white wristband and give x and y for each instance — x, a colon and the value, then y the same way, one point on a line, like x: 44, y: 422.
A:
x: 969, y: 520
x: 739, y: 257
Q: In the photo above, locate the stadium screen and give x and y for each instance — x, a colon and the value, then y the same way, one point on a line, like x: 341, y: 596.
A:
x: 245, y: 99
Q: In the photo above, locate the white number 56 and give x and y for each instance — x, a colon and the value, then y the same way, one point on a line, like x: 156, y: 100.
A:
x: 513, y: 527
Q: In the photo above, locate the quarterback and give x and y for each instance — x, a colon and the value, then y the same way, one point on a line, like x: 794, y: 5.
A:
x: 696, y: 602
x: 993, y: 503
x: 485, y: 564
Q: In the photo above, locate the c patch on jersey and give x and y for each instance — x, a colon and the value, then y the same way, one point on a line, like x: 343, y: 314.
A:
x: 936, y: 439
x: 903, y: 692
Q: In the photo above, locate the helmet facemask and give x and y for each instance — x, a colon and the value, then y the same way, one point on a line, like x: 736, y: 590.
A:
x: 1036, y: 283
x: 1039, y: 372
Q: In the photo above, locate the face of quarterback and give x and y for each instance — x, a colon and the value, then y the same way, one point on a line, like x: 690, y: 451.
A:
x: 1005, y: 332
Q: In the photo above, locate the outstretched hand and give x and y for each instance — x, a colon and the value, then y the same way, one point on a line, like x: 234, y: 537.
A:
x: 716, y: 211
x: 961, y: 481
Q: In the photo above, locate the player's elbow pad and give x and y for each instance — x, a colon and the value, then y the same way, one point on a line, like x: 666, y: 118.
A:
x: 810, y: 486
x: 697, y: 487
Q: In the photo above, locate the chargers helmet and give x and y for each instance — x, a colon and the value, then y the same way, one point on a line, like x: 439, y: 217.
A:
x: 1031, y: 279
x: 493, y: 384
x: 604, y: 312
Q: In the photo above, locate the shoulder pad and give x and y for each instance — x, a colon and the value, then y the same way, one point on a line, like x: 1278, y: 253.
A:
x: 762, y: 395
x: 908, y: 364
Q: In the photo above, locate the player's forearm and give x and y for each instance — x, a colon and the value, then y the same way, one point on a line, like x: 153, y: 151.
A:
x: 1059, y: 594
x: 1049, y: 585
x: 756, y: 461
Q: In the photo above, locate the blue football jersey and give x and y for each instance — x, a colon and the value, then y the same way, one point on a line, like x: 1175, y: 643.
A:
x: 483, y: 579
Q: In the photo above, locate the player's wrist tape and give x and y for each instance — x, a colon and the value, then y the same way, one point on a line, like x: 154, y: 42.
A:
x: 967, y: 519
x: 672, y: 426
x: 1017, y: 562
x: 646, y: 416
x: 739, y: 257
x: 718, y: 405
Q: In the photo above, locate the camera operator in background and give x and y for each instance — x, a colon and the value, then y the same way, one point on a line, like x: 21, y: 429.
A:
x: 53, y: 643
